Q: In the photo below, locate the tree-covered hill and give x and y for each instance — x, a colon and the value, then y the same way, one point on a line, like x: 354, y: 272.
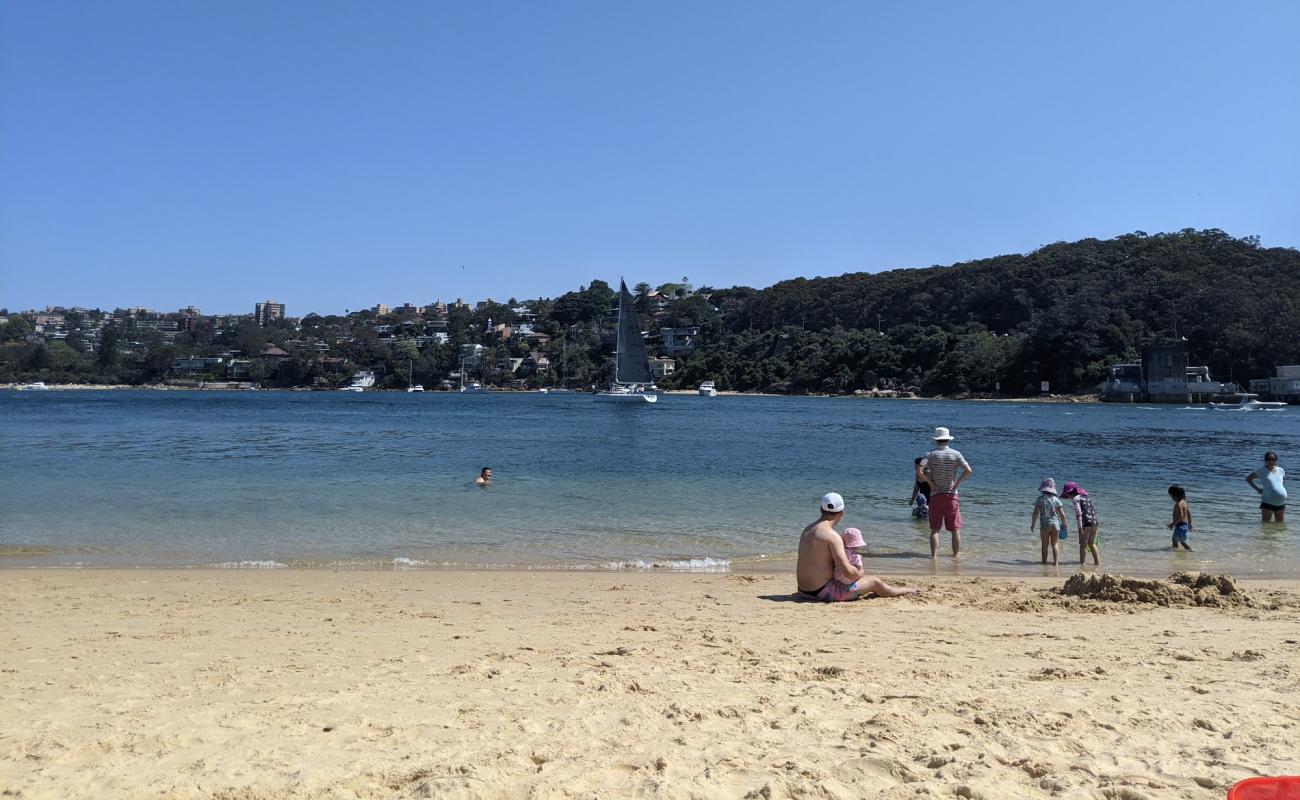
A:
x: 1062, y: 313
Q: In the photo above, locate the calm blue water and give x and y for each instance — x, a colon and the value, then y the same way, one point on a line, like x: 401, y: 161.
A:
x: 384, y: 480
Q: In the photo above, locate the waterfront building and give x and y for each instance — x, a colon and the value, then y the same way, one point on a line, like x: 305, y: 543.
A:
x: 662, y: 367
x: 1162, y: 376
x: 1284, y: 386
x: 678, y: 341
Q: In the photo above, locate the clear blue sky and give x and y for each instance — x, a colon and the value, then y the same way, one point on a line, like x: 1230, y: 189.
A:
x: 335, y: 155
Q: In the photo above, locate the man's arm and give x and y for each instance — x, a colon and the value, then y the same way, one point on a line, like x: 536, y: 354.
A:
x: 841, y: 557
x: 963, y: 475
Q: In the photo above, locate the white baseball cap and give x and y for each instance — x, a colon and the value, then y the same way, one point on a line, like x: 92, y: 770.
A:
x: 942, y: 435
x: 831, y: 501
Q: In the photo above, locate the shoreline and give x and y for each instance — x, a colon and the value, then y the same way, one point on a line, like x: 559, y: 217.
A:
x: 222, y: 386
x: 187, y: 684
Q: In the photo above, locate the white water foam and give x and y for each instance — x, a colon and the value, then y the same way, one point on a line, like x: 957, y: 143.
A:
x: 249, y: 565
x: 682, y: 565
x: 402, y: 562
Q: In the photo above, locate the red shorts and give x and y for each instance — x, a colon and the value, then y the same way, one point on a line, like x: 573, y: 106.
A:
x: 945, y: 512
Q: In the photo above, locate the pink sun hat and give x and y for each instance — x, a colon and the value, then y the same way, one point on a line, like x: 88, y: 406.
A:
x: 1048, y: 485
x: 1072, y: 488
x: 853, y: 538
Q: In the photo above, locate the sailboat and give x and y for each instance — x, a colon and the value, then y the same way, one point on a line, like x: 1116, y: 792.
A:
x: 632, y: 381
x: 411, y: 385
x: 563, y: 388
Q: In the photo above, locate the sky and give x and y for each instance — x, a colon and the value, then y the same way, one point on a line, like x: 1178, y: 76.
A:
x: 335, y: 155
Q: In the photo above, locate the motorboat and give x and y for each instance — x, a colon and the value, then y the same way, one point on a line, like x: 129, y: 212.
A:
x: 632, y: 381
x: 473, y: 387
x: 360, y: 382
x: 1245, y: 401
x: 707, y: 389
x: 34, y: 386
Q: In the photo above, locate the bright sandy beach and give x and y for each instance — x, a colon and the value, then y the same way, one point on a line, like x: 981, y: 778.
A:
x: 305, y: 684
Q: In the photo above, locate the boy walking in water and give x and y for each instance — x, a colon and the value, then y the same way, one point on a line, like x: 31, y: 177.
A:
x: 1182, y: 522
x: 944, y: 468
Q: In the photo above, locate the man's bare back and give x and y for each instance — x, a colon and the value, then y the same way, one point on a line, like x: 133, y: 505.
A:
x: 817, y: 556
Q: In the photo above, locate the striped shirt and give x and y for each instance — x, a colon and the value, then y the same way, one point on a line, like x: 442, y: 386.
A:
x: 940, y: 466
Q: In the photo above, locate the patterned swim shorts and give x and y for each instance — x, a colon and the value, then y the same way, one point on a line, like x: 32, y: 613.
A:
x: 838, y: 592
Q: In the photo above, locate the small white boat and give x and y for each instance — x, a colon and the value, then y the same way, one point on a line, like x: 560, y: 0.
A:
x: 473, y: 387
x: 360, y: 382
x: 1244, y: 401
x: 707, y: 389
x: 34, y: 386
x: 412, y: 386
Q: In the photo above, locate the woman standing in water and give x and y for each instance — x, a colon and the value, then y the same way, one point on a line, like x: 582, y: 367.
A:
x: 1272, y: 495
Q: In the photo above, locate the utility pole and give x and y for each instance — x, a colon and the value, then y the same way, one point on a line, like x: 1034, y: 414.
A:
x: 878, y: 328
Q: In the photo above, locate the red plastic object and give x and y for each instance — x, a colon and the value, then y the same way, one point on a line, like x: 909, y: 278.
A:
x: 1286, y: 787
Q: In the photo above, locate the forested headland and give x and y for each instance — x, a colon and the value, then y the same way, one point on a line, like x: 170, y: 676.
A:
x: 1063, y: 314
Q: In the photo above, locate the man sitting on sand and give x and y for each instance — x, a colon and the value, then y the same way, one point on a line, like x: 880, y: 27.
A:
x: 821, y: 550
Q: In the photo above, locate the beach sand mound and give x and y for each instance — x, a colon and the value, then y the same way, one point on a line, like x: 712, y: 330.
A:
x: 1181, y: 589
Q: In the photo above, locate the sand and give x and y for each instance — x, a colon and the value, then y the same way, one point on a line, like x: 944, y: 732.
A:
x: 306, y: 684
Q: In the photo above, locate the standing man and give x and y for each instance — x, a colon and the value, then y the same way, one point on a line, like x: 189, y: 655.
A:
x: 945, y: 469
x: 821, y: 550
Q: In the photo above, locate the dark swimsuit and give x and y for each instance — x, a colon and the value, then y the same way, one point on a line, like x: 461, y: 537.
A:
x: 815, y: 593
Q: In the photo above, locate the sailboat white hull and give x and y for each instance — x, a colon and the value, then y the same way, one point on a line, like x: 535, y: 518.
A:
x: 625, y: 397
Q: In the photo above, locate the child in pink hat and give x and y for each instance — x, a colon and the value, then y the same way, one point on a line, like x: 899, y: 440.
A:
x: 852, y: 541
x: 1086, y: 515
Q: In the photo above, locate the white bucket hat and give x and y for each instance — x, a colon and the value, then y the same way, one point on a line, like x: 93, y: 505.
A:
x: 942, y: 435
x: 832, y: 502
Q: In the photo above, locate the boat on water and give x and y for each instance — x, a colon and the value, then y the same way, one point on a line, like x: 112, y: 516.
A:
x: 473, y: 387
x: 34, y: 386
x: 632, y: 380
x: 411, y: 385
x: 1245, y: 401
x: 360, y: 382
x: 707, y: 389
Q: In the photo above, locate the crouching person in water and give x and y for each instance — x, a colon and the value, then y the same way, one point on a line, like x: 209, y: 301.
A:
x: 822, y: 554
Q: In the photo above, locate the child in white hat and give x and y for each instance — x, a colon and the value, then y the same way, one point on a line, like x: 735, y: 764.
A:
x: 1049, y: 519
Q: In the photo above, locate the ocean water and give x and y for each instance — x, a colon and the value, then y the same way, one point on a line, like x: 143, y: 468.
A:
x: 385, y: 480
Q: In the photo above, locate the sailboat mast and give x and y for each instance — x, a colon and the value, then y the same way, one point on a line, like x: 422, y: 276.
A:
x: 618, y: 337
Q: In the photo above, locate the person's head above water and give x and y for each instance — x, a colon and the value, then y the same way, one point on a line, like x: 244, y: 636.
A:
x: 484, y: 476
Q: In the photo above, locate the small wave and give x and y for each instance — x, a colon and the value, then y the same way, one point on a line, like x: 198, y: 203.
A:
x: 679, y: 565
x: 408, y: 563
x: 249, y: 565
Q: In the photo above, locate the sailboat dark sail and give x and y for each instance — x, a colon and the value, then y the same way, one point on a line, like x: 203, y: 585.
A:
x: 632, y: 380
